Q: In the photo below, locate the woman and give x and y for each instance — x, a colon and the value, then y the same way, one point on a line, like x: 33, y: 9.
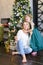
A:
x: 23, y: 41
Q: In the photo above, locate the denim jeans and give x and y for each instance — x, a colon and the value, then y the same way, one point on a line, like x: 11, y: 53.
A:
x: 21, y: 49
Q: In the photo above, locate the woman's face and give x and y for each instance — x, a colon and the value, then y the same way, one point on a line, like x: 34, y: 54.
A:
x: 26, y: 26
x: 27, y: 18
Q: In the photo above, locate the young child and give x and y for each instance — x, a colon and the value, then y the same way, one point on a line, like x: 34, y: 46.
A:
x: 23, y: 41
x: 36, y: 37
x: 28, y: 18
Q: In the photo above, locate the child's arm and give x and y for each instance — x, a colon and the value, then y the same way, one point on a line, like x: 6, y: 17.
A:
x: 30, y: 31
x: 32, y: 27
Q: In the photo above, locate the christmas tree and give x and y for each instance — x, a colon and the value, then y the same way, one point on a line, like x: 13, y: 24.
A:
x: 20, y: 8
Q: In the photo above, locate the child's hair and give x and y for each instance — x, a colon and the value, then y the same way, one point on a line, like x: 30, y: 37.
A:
x: 28, y: 15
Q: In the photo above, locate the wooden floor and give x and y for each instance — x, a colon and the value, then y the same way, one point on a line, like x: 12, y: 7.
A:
x: 8, y: 59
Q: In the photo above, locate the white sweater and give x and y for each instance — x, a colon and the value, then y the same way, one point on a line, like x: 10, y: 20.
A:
x: 24, y: 37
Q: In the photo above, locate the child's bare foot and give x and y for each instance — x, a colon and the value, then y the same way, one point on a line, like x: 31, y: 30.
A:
x: 13, y: 53
x: 34, y: 53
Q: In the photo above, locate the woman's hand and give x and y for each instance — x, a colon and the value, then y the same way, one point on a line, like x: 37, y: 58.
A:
x: 15, y: 38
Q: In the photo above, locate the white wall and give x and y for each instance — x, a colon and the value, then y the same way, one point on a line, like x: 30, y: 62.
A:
x: 31, y: 5
x: 6, y: 8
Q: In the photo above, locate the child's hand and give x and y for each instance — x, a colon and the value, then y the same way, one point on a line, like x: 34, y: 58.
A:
x: 30, y: 30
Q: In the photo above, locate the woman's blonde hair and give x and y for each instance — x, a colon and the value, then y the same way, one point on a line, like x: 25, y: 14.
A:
x: 26, y: 22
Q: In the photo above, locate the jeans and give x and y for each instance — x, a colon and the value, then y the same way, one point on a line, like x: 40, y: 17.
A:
x: 21, y: 49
